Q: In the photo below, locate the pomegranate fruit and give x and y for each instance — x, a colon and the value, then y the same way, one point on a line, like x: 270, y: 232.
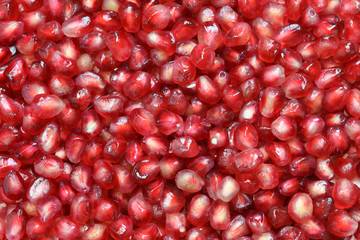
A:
x: 179, y: 119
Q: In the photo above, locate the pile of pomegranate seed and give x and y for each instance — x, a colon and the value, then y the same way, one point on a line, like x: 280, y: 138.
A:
x: 179, y: 119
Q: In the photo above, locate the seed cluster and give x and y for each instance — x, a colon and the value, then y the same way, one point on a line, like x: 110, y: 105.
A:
x: 179, y: 119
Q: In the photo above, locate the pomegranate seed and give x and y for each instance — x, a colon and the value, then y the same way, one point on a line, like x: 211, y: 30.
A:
x: 96, y: 231
x: 49, y: 166
x: 300, y: 207
x: 139, y: 210
x: 189, y: 181
x: 64, y: 227
x: 36, y: 229
x: 279, y: 217
x: 80, y: 209
x: 146, y: 170
x: 341, y: 224
x: 12, y: 31
x: 156, y: 17
x: 210, y: 34
x: 236, y: 229
x: 238, y: 35
x: 146, y: 232
x: 198, y: 210
x: 48, y: 208
x: 81, y: 178
x: 172, y: 200
x: 16, y: 224
x: 105, y: 210
x: 344, y: 193
x: 219, y: 215
x: 175, y: 224
x: 291, y: 232
x: 241, y: 102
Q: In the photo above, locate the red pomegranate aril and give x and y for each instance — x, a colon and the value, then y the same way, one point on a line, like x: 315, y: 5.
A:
x: 279, y: 217
x: 201, y: 165
x: 238, y: 35
x: 196, y: 127
x: 227, y: 189
x: 319, y: 146
x: 219, y: 215
x: 170, y: 166
x: 146, y: 170
x: 278, y: 152
x: 49, y: 166
x: 275, y: 14
x: 293, y: 108
x: 291, y: 233
x: 146, y: 232
x: 105, y: 210
x: 344, y: 193
x: 16, y: 224
x: 172, y: 200
x: 66, y: 193
x: 90, y: 124
x: 302, y: 166
x: 103, y: 174
x: 31, y: 89
x: 198, y: 213
x: 114, y: 149
x: 300, y: 207
x: 271, y: 101
x: 78, y: 25
x: 207, y: 90
x: 81, y: 178
x: 16, y: 73
x: 46, y: 106
x: 162, y: 40
x: 241, y: 203
x: 195, y: 233
x: 8, y: 163
x: 185, y: 147
x: 175, y: 224
x: 268, y: 49
x: 245, y: 136
x: 267, y: 175
x: 344, y: 168
x: 80, y: 209
x: 236, y: 229
x: 96, y: 231
x: 9, y: 10
x: 290, y: 186
x: 311, y: 126
x: 155, y: 18
x: 13, y: 186
x: 36, y: 229
x: 139, y: 210
x: 39, y: 189
x: 50, y: 31
x: 210, y: 34
x: 257, y: 222
x: 284, y: 128
x: 184, y: 29
x: 248, y: 160
x: 49, y: 139
x: 189, y: 181
x: 65, y: 228
x: 227, y: 17
x: 9, y: 136
x: 341, y: 224
x: 12, y: 31
x: 48, y: 208
x: 266, y: 199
